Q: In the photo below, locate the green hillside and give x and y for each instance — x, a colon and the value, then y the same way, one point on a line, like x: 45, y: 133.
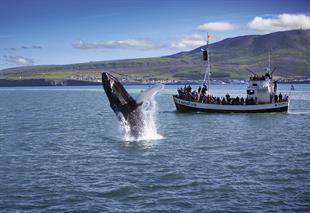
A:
x: 290, y: 53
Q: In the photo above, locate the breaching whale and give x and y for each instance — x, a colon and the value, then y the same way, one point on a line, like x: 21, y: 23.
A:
x: 124, y: 106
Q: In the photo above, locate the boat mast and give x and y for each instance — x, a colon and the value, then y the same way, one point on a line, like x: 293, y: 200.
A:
x: 269, y: 62
x: 207, y: 73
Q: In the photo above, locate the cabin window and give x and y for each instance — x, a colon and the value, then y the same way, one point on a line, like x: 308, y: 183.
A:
x: 254, y: 84
x: 250, y: 92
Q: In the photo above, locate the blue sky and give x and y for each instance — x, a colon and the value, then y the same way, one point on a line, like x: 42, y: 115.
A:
x: 34, y: 32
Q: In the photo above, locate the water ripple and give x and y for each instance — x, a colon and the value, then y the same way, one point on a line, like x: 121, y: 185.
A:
x: 62, y: 151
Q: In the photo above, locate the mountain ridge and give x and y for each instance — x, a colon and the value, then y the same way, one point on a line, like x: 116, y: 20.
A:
x: 290, y: 53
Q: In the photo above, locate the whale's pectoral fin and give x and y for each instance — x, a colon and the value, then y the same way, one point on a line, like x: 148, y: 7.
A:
x: 149, y: 93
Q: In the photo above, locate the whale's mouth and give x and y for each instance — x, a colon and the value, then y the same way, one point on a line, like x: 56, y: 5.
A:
x: 116, y: 93
x: 108, y: 80
x: 111, y: 83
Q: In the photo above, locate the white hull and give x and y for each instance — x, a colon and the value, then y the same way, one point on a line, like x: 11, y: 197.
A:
x: 183, y: 105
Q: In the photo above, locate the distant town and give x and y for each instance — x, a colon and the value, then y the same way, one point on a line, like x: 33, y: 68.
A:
x: 97, y: 79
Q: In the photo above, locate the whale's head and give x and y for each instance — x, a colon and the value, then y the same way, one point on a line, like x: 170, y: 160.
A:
x: 111, y: 86
x: 120, y: 100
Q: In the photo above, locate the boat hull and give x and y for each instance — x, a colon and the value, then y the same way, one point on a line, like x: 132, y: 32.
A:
x: 189, y: 106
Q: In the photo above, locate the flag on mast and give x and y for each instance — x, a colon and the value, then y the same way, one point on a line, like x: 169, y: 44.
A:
x: 209, y: 37
x: 205, y: 52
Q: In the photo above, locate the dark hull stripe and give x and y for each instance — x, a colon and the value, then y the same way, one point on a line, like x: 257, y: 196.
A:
x: 184, y: 108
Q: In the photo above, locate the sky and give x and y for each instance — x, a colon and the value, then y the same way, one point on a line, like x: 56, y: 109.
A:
x: 38, y: 32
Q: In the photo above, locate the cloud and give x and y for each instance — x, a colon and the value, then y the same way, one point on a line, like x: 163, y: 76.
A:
x: 280, y: 22
x: 190, y: 41
x: 36, y: 47
x: 139, y: 44
x: 18, y: 60
x: 24, y: 47
x: 216, y: 26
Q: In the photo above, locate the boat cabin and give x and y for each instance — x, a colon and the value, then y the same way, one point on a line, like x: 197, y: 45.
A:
x: 261, y: 89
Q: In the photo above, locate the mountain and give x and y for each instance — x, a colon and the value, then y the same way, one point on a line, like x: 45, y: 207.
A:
x: 230, y: 58
x: 290, y: 53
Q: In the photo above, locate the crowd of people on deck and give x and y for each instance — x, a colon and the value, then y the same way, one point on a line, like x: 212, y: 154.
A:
x: 262, y: 77
x: 280, y: 98
x: 200, y: 96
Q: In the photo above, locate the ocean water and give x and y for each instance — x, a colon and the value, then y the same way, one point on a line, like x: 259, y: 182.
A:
x: 62, y: 150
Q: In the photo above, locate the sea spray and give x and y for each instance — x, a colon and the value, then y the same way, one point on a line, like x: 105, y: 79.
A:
x: 149, y: 112
x: 149, y: 108
x: 125, y: 128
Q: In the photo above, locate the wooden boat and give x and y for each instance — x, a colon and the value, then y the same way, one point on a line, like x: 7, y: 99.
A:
x: 190, y: 106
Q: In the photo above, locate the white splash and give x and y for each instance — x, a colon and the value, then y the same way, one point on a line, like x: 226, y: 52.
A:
x: 125, y: 128
x: 149, y: 108
x: 149, y: 111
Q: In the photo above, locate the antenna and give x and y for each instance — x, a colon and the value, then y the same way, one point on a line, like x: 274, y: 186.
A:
x: 269, y: 62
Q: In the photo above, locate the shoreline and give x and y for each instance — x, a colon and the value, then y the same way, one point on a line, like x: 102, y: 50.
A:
x: 45, y: 82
